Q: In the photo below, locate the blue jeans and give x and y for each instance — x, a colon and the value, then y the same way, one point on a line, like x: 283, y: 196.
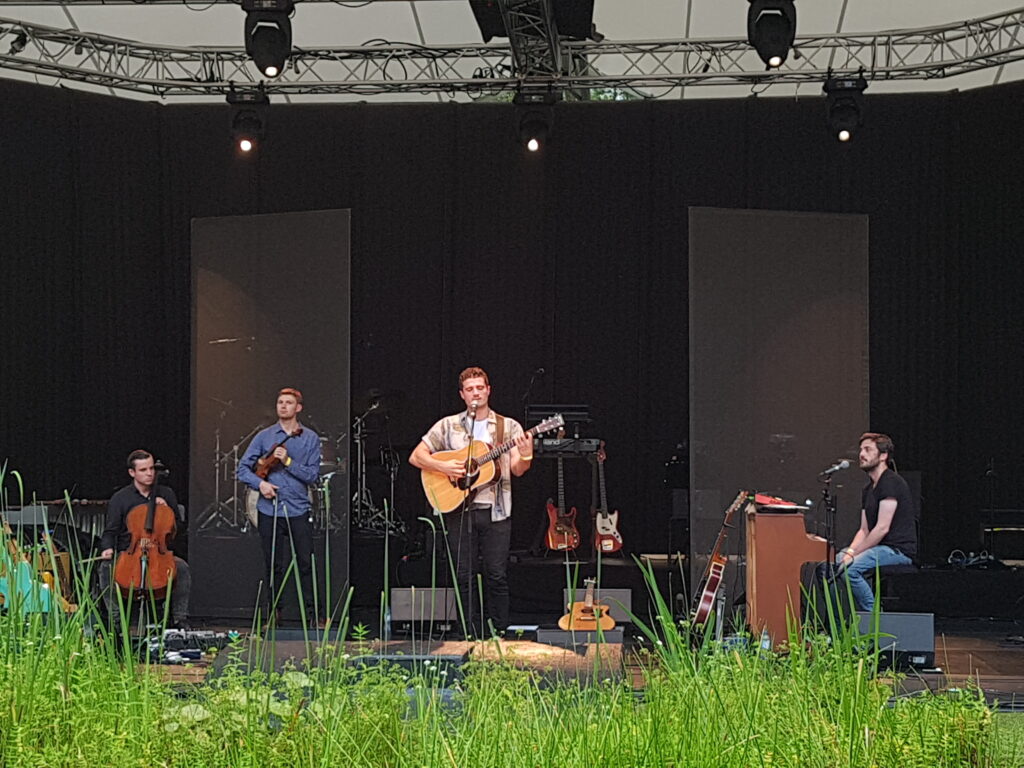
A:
x: 864, y: 564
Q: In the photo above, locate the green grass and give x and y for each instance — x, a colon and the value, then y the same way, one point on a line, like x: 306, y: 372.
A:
x: 68, y: 698
x: 72, y: 697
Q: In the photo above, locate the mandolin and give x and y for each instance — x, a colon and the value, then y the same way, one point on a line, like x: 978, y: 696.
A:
x: 446, y: 494
x: 712, y: 579
x: 268, y: 462
x: 587, y: 616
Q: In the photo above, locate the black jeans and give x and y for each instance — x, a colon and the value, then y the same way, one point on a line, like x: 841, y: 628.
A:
x: 478, y: 544
x: 181, y: 588
x: 292, y: 533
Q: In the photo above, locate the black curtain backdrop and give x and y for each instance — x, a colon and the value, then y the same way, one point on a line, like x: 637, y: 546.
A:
x: 467, y: 251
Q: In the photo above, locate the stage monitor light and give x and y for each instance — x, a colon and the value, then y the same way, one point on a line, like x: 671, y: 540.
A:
x: 771, y: 29
x: 268, y: 34
x: 844, y: 102
x: 18, y: 43
x: 535, y: 110
x: 534, y: 128
x: 248, y: 122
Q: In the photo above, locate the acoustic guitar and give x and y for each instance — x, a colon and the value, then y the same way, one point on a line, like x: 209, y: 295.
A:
x: 712, y: 579
x: 562, y: 533
x: 446, y: 494
x: 587, y: 616
x: 607, y: 538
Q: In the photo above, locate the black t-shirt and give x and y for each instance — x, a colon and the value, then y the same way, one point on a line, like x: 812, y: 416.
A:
x: 902, y: 533
x: 115, y: 534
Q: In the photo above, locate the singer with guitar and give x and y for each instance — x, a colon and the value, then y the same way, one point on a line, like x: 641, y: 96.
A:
x: 282, y: 462
x: 480, y: 528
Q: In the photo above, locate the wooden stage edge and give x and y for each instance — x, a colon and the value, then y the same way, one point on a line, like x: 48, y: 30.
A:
x: 992, y: 660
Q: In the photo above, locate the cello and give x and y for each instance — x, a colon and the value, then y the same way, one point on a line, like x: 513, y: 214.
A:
x: 148, y: 563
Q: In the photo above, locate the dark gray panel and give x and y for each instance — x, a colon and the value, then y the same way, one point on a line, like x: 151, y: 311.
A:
x: 270, y: 309
x: 778, y: 363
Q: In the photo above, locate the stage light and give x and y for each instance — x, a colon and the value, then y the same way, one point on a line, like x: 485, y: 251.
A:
x: 18, y: 43
x: 844, y: 102
x: 248, y: 122
x: 534, y: 127
x: 268, y: 34
x: 535, y: 108
x: 771, y: 29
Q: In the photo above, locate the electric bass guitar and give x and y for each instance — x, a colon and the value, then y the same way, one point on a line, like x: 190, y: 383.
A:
x: 607, y: 538
x: 562, y: 532
x: 446, y: 494
x: 587, y: 616
x: 712, y: 579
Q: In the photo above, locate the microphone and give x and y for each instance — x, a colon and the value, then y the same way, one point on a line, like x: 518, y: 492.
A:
x: 539, y: 372
x: 844, y: 464
x: 474, y: 405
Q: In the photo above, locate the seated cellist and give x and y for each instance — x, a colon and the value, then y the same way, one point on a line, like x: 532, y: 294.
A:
x: 116, y: 537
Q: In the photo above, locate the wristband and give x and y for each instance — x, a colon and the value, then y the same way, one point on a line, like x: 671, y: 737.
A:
x: 288, y: 461
x: 525, y: 458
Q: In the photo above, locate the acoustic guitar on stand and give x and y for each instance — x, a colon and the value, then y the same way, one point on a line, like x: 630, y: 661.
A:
x: 446, y: 494
x: 607, y: 538
x: 587, y: 616
x: 712, y: 579
x: 562, y: 533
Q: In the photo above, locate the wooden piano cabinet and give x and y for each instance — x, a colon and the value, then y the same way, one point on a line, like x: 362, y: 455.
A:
x: 777, y: 547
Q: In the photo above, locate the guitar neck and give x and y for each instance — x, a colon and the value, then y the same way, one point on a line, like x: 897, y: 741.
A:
x: 499, y: 450
x: 561, y: 486
x: 603, y: 511
x: 588, y: 599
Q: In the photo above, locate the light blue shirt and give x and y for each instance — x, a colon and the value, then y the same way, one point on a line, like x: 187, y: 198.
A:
x: 293, y: 481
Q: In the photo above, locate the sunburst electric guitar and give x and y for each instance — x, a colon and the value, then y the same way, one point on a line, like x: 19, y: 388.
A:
x: 607, y: 538
x: 446, y: 494
x: 562, y: 532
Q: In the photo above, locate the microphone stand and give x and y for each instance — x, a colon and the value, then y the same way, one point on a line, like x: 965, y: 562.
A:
x: 828, y: 501
x: 467, y: 522
x: 529, y: 388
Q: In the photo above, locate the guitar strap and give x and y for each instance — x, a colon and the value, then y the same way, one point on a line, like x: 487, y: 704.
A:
x: 501, y: 483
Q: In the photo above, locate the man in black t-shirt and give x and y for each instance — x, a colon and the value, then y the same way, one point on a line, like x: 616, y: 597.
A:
x: 116, y: 538
x: 887, y: 534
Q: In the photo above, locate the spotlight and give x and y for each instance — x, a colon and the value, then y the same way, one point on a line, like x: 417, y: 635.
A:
x: 268, y: 34
x: 248, y: 120
x: 534, y: 127
x: 536, y: 113
x: 845, y: 105
x: 18, y: 43
x: 771, y: 29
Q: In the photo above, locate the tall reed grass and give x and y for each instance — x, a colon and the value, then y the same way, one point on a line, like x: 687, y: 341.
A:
x: 70, y: 696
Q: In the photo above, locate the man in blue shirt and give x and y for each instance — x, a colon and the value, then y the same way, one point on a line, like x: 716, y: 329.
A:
x: 285, y: 528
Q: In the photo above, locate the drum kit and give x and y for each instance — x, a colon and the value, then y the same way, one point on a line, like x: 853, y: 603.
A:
x: 237, y: 512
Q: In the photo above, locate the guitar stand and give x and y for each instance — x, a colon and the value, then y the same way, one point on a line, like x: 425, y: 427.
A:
x: 720, y: 615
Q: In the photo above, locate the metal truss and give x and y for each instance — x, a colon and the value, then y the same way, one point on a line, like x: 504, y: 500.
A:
x: 533, y: 38
x: 172, y: 72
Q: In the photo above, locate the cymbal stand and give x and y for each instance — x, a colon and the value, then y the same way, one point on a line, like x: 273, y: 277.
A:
x: 225, y: 512
x: 217, y: 512
x: 389, y: 458
x: 363, y: 509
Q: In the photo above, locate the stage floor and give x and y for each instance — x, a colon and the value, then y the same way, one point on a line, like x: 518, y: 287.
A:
x: 987, y: 653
